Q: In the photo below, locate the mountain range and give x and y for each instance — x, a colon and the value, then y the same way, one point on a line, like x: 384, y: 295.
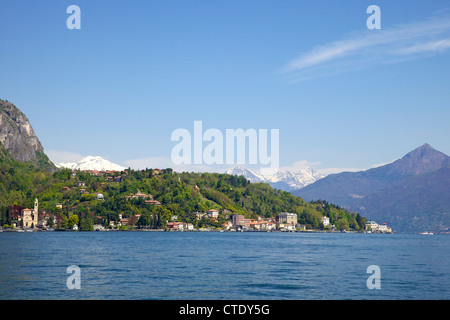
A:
x: 411, y: 194
x: 92, y: 163
x: 24, y: 178
x: 283, y: 180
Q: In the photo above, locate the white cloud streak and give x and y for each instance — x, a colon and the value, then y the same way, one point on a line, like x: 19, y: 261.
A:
x: 166, y: 162
x: 57, y: 156
x: 432, y: 46
x: 371, y: 47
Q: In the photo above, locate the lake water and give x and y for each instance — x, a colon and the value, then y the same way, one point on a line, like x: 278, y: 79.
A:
x: 223, y: 266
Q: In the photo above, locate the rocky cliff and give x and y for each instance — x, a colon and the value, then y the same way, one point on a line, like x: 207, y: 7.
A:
x: 18, y: 137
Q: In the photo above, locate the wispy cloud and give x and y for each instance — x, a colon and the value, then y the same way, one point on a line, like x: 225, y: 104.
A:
x: 371, y: 47
x: 301, y: 165
x: 431, y: 46
x: 150, y: 162
x: 318, y: 167
x: 58, y: 156
x: 166, y: 162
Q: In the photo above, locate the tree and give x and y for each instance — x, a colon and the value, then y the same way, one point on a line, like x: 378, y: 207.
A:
x: 64, y: 222
x: 51, y: 221
x: 73, y: 220
x: 144, y: 221
x: 3, y: 215
x: 87, y: 223
x: 342, y: 224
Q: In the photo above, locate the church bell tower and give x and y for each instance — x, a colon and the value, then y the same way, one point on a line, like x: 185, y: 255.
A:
x: 35, y: 213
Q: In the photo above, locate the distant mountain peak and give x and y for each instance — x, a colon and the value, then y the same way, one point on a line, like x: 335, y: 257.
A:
x: 93, y: 163
x: 422, y: 149
x: 408, y: 193
x: 421, y: 160
x: 284, y: 179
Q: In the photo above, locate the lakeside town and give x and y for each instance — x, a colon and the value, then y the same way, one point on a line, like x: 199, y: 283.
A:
x: 284, y: 222
x: 28, y: 221
x: 25, y: 219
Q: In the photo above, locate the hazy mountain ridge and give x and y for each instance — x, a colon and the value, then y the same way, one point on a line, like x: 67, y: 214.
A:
x: 410, y: 194
x: 401, y: 193
x: 423, y: 200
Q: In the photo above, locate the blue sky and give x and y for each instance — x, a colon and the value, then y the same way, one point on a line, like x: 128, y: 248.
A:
x: 341, y: 95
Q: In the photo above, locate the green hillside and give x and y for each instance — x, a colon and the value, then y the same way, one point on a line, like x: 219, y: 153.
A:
x: 20, y: 181
x: 168, y: 196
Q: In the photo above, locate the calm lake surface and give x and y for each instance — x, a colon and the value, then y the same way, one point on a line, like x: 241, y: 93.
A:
x: 228, y: 265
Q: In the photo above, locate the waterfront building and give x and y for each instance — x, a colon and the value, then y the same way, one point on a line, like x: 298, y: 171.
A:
x: 384, y: 228
x: 239, y: 220
x: 375, y: 227
x: 29, y: 217
x: 227, y: 225
x: 371, y: 226
x: 287, y: 217
x: 212, y: 213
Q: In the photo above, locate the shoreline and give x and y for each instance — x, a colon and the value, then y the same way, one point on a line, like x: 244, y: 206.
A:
x: 194, y: 231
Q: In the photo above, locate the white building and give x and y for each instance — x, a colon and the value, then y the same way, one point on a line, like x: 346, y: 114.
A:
x: 185, y: 226
x: 384, y: 228
x: 325, y: 221
x: 375, y: 227
x: 212, y: 213
x: 372, y: 226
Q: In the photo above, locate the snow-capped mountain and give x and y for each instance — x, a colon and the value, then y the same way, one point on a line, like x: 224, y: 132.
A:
x: 248, y: 174
x: 92, y: 163
x: 284, y: 179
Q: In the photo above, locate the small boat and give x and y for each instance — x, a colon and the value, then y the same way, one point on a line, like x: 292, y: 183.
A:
x: 427, y: 233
